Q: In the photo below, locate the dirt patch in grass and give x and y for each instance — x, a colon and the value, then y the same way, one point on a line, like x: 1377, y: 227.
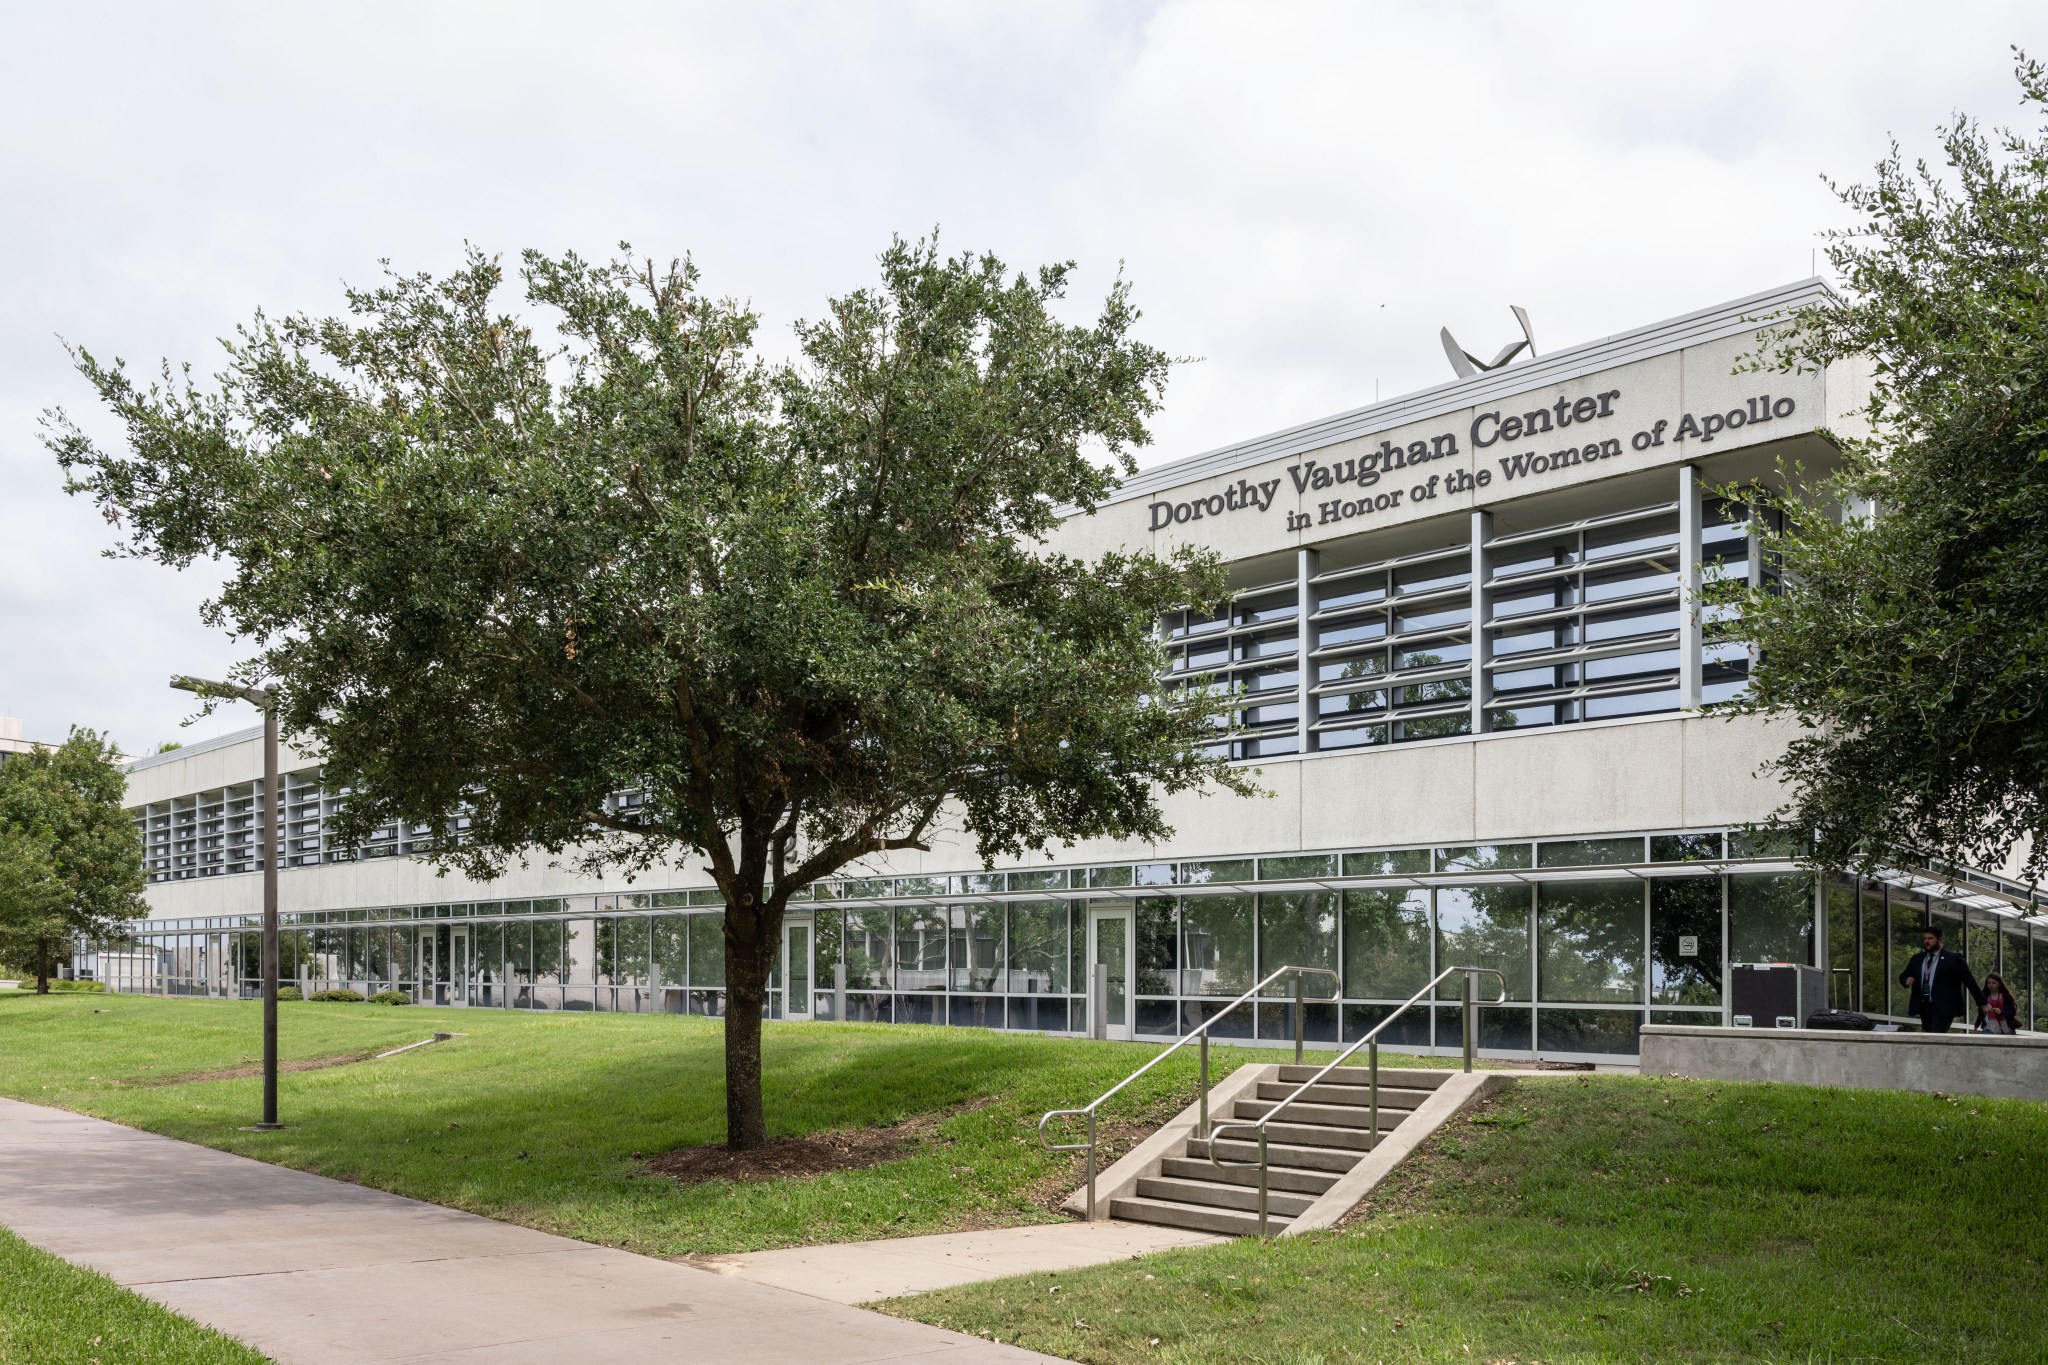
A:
x: 797, y: 1158
x: 243, y: 1073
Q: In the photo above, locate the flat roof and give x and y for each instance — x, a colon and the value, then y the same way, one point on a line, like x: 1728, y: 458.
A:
x: 201, y: 746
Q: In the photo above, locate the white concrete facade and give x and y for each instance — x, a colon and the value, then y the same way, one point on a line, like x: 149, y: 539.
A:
x: 1653, y: 773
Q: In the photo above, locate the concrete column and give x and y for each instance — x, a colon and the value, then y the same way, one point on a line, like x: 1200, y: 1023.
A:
x: 1305, y: 568
x: 1690, y: 662
x: 1482, y: 607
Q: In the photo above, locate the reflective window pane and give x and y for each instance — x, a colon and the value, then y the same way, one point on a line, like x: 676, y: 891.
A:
x: 1874, y: 973
x: 1589, y: 852
x: 1299, y: 929
x: 1038, y: 948
x: 671, y: 949
x: 1685, y: 941
x: 707, y: 950
x: 1484, y: 926
x: 1216, y: 945
x: 920, y: 949
x: 1393, y: 862
x: 1908, y: 913
x: 1590, y: 941
x: 976, y: 954
x: 1386, y: 943
x: 1158, y: 946
x: 1770, y: 918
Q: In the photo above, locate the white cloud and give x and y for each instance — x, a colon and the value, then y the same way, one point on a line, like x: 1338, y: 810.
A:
x: 1303, y: 193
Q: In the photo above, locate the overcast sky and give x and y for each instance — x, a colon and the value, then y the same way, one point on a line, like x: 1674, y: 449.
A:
x: 1302, y: 194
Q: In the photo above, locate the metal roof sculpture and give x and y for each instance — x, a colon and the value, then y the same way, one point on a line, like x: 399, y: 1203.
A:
x: 1467, y: 364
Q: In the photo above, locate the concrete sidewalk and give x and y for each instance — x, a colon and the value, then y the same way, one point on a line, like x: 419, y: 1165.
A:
x: 311, y: 1270
x: 862, y: 1272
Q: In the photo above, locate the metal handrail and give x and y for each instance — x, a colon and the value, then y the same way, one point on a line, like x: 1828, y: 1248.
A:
x: 1201, y: 1032
x: 1371, y: 1039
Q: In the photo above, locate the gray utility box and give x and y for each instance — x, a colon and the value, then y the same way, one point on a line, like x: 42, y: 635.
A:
x: 1774, y: 994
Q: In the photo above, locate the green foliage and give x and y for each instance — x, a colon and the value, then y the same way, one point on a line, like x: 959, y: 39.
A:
x: 79, y: 987
x: 290, y: 993
x: 1914, y: 650
x: 70, y: 857
x: 56, y: 1313
x: 391, y: 998
x: 798, y: 610
x: 1607, y: 1218
x: 341, y: 995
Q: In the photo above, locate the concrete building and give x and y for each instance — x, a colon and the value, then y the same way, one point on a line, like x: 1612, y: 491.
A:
x: 1468, y: 672
x: 11, y: 741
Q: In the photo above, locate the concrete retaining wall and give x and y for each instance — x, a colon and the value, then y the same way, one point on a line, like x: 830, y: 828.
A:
x: 1952, y: 1063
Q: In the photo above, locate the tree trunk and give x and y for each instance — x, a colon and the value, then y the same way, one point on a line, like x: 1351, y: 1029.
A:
x: 42, y: 969
x: 751, y: 934
x: 746, y: 1119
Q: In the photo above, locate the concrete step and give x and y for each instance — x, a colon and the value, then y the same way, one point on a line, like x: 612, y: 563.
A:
x: 1321, y: 1115
x: 1277, y: 1177
x: 1407, y: 1077
x: 1349, y: 1137
x: 1336, y: 1160
x: 1195, y: 1217
x: 1214, y: 1195
x: 1390, y: 1097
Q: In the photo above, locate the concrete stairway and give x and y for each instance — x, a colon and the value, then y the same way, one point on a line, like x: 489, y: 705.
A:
x: 1322, y: 1135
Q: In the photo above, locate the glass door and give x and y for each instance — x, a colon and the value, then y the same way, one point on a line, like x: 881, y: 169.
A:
x: 430, y: 962
x: 458, y: 965
x: 796, y: 950
x: 1110, y: 951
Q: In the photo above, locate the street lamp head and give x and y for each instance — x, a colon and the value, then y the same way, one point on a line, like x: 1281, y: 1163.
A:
x: 206, y: 687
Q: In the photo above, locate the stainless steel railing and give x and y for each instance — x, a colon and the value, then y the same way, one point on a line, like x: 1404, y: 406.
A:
x: 1202, y: 1033
x: 1469, y: 1016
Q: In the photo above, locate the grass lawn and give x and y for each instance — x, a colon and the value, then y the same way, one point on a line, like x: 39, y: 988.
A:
x: 1613, y: 1219
x: 545, y: 1119
x: 53, y: 1313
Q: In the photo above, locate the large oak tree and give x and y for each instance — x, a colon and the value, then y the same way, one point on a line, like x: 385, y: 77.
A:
x: 634, y: 594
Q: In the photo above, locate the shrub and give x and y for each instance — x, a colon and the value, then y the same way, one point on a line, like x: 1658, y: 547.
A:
x: 89, y: 987
x: 341, y: 994
x: 289, y: 993
x: 391, y: 998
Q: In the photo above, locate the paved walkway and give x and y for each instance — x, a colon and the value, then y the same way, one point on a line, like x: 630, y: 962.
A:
x: 862, y: 1272
x: 311, y: 1270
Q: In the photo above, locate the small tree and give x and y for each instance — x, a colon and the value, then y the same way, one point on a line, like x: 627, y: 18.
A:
x: 70, y: 856
x: 646, y: 596
x: 1914, y: 648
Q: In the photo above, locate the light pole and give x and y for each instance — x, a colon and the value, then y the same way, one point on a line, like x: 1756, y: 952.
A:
x: 264, y: 699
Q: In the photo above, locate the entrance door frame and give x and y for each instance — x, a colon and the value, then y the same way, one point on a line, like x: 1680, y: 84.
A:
x: 1098, y: 915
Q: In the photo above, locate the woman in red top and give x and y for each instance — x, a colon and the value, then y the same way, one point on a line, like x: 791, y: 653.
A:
x: 2000, y: 1012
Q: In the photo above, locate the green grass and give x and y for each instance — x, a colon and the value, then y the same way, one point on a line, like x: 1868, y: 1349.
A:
x: 545, y: 1119
x: 1612, y: 1219
x: 53, y: 1313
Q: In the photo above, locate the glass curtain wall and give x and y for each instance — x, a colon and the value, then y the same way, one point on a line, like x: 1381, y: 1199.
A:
x: 1588, y: 952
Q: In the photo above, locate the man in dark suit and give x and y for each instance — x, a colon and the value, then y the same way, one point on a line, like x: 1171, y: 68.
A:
x: 1938, y: 979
